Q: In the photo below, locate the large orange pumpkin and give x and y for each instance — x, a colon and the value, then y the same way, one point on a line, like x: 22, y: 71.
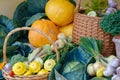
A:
x: 36, y: 39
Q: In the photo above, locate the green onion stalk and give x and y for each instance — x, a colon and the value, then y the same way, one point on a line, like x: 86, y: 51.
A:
x: 93, y: 47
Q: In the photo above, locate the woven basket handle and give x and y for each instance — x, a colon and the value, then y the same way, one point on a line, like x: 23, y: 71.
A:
x: 77, y: 8
x: 27, y: 28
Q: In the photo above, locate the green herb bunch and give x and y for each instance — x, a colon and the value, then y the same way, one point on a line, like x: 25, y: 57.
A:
x: 111, y: 23
x: 98, y: 6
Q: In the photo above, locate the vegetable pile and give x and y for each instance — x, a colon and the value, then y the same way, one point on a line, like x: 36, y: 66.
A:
x: 30, y: 53
x: 96, y: 8
x: 100, y: 8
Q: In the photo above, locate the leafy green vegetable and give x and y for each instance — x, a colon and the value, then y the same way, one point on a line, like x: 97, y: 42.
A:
x: 111, y: 23
x: 23, y: 48
x: 16, y: 48
x: 17, y: 58
x: 98, y: 6
x: 73, y: 2
x: 52, y: 73
x: 6, y: 25
x: 70, y: 66
x: 58, y: 76
x: 36, y: 6
x: 34, y: 18
x: 1, y: 42
x: 6, y: 22
x: 3, y: 31
x: 92, y: 45
x: 1, y: 77
x: 46, y: 49
x: 22, y: 14
x: 47, y: 56
x: 78, y: 72
x: 10, y: 52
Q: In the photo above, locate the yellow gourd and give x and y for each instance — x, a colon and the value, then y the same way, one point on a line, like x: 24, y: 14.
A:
x: 19, y: 68
x: 100, y: 71
x: 43, y: 71
x: 67, y: 30
x: 35, y: 66
x: 61, y: 12
x: 28, y: 73
x: 49, y: 64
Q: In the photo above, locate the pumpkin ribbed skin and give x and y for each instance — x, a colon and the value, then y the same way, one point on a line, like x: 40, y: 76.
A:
x: 47, y: 26
x: 61, y: 12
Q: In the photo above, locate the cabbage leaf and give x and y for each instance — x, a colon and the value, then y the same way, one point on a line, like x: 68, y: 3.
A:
x: 36, y: 6
x: 34, y: 18
x: 21, y: 14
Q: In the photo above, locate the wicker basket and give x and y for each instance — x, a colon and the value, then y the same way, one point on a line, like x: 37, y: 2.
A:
x: 32, y: 77
x: 89, y: 26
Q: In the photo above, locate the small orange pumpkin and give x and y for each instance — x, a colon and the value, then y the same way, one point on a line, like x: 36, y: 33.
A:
x: 36, y: 39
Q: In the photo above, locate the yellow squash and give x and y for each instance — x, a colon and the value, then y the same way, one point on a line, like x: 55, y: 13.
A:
x: 35, y: 66
x: 61, y: 12
x: 67, y: 30
x: 19, y: 68
x: 43, y: 71
x: 49, y: 64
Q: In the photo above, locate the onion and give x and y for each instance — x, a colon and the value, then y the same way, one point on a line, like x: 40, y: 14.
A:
x: 112, y: 3
x: 59, y: 43
x: 61, y: 36
x: 97, y: 65
x: 7, y: 67
x: 110, y: 10
x: 91, y: 70
x: 110, y: 58
x: 115, y: 62
x: 115, y: 77
x: 118, y: 71
x: 109, y: 71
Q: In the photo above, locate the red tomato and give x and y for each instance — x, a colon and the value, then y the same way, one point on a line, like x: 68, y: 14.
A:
x: 11, y: 73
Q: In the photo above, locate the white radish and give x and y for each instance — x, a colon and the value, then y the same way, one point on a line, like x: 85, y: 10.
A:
x: 91, y: 70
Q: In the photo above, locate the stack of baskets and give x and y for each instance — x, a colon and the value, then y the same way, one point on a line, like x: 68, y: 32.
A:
x: 32, y: 77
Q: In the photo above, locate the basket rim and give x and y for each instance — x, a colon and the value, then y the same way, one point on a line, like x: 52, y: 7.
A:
x: 84, y: 15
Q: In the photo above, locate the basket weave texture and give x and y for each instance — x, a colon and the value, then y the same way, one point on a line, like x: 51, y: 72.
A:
x: 89, y: 26
x: 31, y: 77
